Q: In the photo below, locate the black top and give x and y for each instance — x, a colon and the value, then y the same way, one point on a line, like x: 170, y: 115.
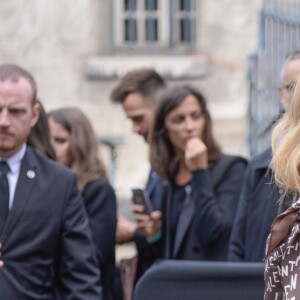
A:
x: 179, y: 195
x: 101, y: 206
x: 258, y: 207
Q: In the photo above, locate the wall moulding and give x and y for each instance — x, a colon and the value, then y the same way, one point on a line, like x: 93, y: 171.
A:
x: 170, y: 66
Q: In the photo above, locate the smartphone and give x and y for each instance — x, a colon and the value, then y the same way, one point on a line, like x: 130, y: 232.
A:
x: 141, y: 197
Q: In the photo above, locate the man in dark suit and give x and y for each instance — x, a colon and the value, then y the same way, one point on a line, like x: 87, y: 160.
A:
x: 46, y: 246
x: 259, y: 199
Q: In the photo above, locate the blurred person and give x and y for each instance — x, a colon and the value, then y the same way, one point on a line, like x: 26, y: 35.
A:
x: 138, y: 92
x: 39, y: 138
x: 259, y: 205
x: 203, y: 184
x: 76, y: 147
x: 46, y: 244
x: 282, y: 273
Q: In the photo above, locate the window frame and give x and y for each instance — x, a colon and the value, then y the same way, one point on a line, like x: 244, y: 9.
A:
x: 168, y: 17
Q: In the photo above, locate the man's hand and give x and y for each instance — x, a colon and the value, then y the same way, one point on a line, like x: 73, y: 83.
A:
x: 125, y: 230
x: 148, y: 225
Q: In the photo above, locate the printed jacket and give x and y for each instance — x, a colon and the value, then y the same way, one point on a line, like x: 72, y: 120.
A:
x: 282, y: 272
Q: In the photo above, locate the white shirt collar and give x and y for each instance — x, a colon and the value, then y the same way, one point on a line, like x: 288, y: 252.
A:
x: 14, y: 161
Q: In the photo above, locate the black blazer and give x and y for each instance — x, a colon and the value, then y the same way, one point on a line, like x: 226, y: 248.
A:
x: 258, y: 207
x: 46, y: 241
x: 207, y: 213
x: 101, y: 206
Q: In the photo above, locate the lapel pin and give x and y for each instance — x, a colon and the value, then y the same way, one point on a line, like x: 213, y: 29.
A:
x: 30, y: 174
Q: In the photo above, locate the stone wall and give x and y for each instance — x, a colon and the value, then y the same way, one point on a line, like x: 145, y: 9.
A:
x: 54, y: 39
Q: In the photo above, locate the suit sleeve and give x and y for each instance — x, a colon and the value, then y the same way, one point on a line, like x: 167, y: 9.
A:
x: 237, y: 239
x: 78, y: 270
x: 101, y: 206
x: 215, y: 208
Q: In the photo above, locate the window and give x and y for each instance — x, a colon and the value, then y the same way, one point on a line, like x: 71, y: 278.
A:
x: 154, y: 24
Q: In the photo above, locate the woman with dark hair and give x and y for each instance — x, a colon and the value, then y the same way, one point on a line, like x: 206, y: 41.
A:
x: 202, y: 184
x: 76, y: 146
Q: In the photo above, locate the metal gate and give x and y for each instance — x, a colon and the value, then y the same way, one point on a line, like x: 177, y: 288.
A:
x: 279, y: 34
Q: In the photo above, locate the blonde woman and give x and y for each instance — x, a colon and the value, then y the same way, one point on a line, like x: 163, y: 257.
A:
x: 282, y: 265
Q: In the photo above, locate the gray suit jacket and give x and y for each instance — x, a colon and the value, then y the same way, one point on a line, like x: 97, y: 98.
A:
x: 46, y: 243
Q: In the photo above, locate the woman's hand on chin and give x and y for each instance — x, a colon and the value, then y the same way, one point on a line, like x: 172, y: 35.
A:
x: 196, y: 154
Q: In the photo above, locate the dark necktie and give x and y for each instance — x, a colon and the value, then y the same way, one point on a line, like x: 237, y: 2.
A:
x: 4, y: 193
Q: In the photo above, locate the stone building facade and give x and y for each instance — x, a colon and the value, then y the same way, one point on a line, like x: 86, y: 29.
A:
x: 73, y: 49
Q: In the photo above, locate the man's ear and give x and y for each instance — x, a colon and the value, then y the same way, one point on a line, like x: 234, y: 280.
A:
x: 35, y: 114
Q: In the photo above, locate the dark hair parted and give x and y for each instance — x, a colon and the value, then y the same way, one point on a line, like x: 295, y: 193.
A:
x: 84, y: 147
x: 14, y: 73
x: 163, y: 157
x: 145, y: 81
x: 39, y: 138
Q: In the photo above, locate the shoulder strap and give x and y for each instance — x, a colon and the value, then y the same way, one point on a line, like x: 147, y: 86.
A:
x: 223, y: 165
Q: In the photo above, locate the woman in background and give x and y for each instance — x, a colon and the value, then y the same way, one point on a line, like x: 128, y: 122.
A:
x: 202, y: 184
x: 76, y: 146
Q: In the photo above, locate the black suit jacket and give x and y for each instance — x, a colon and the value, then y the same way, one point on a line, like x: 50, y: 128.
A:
x: 257, y: 209
x: 46, y: 242
x: 206, y: 216
x: 101, y: 206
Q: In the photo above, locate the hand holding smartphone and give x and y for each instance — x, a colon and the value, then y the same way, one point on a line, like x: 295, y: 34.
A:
x: 141, y: 197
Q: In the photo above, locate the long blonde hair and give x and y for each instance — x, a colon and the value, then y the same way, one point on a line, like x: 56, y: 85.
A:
x: 286, y: 148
